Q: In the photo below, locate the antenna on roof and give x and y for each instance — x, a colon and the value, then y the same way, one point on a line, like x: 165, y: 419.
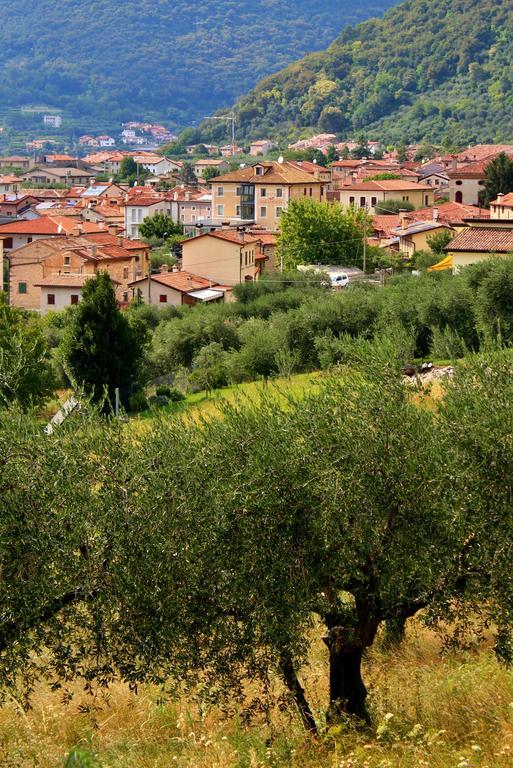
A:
x: 242, y: 165
x: 280, y: 159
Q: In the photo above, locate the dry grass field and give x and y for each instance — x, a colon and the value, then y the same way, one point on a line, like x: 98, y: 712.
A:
x: 429, y: 711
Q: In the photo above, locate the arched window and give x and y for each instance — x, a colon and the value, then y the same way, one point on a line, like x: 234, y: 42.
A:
x: 458, y: 197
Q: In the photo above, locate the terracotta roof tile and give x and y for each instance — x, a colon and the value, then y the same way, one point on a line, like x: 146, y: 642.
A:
x: 180, y: 281
x: 482, y: 240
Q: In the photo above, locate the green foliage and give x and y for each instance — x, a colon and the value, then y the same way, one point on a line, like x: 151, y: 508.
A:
x: 394, y: 206
x: 209, y: 368
x: 210, y: 173
x: 158, y: 90
x: 79, y: 758
x: 423, y: 259
x: 400, y: 77
x: 320, y: 233
x: 499, y: 178
x: 102, y: 350
x: 383, y: 177
x: 439, y: 240
x: 159, y: 227
x: 26, y: 375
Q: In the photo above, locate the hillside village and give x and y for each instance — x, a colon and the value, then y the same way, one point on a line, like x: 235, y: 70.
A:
x: 60, y: 222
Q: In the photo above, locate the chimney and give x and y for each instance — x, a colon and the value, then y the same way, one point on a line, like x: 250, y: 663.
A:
x: 435, y: 214
x: 189, y: 281
x: 403, y: 215
x: 241, y: 236
x: 175, y: 195
x: 113, y: 230
x: 454, y: 164
x: 187, y: 195
x: 175, y: 269
x: 120, y: 240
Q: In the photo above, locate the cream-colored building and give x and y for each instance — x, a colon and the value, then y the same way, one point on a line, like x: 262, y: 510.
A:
x: 370, y: 194
x: 59, y: 291
x: 260, y: 193
x: 480, y: 240
x: 178, y: 288
x: 226, y: 257
x: 502, y: 207
x: 467, y: 182
x: 200, y: 166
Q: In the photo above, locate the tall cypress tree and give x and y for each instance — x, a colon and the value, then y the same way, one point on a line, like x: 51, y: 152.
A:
x: 102, y: 350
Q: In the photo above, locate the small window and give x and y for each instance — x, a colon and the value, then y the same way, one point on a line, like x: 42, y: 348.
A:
x: 374, y: 201
x: 363, y: 202
x: 67, y: 261
x: 427, y: 200
x: 278, y: 212
x: 74, y: 298
x: 125, y: 273
x: 237, y: 192
x: 237, y: 211
x: 311, y: 191
x: 29, y: 240
x: 263, y: 192
x: 351, y: 200
x: 50, y: 299
x: 304, y: 191
x: 8, y: 242
x: 279, y: 192
x: 125, y: 296
x: 263, y: 212
x: 220, y: 210
x: 459, y: 183
x: 163, y: 298
x: 220, y: 191
x: 259, y: 171
x: 22, y: 287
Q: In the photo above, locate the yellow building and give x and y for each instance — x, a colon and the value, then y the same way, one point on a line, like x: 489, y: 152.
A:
x: 370, y: 194
x: 480, y: 240
x: 414, y: 235
x: 260, y: 193
x: 227, y: 257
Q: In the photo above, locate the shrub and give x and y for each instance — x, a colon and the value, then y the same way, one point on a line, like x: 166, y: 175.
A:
x: 138, y: 403
x: 158, y: 401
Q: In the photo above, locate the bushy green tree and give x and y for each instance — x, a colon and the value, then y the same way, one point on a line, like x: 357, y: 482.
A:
x: 209, y: 368
x: 319, y: 233
x: 440, y: 240
x: 102, y: 351
x: 159, y: 227
x: 26, y: 376
x: 499, y: 178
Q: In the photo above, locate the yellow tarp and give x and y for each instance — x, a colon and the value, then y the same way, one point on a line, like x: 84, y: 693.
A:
x: 444, y: 264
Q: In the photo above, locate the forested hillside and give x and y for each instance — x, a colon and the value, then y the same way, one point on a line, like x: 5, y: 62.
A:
x: 168, y: 59
x: 428, y: 69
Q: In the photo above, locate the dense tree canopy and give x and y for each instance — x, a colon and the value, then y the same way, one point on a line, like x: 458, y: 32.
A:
x: 108, y: 72
x: 411, y: 76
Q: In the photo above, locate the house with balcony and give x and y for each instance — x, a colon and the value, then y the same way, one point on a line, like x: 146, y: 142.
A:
x: 260, y: 193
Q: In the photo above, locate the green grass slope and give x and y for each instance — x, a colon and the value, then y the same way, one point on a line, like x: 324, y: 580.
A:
x: 427, y: 70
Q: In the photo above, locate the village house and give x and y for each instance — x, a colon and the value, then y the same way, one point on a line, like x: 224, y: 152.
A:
x: 466, y: 183
x: 55, y: 175
x: 261, y: 147
x: 10, y: 185
x: 139, y: 207
x: 16, y: 161
x: 178, y: 288
x: 39, y: 264
x: 21, y: 232
x: 16, y: 205
x: 370, y: 194
x: 224, y: 256
x: 414, y: 235
x: 260, y: 193
x: 188, y: 205
x: 61, y: 290
x: 200, y: 166
x: 157, y: 164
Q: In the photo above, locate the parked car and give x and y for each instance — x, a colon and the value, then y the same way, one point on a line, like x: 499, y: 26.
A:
x: 340, y: 280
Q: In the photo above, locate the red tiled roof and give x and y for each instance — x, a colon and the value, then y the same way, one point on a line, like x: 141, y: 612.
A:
x: 64, y: 281
x: 390, y: 185
x: 275, y: 173
x: 43, y: 226
x: 506, y: 200
x: 180, y: 281
x: 450, y: 213
x: 230, y: 235
x: 481, y: 151
x: 385, y: 223
x: 482, y: 240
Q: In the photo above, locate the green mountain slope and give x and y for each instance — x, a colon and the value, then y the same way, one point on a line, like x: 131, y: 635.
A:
x: 169, y: 59
x: 428, y: 69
